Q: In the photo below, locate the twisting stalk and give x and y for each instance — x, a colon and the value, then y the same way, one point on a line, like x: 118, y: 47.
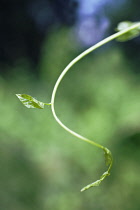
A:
x: 127, y: 30
x: 108, y: 156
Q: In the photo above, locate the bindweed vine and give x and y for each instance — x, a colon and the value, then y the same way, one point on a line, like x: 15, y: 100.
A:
x: 126, y: 31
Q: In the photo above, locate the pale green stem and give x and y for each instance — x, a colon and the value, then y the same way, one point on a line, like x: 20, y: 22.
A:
x: 74, y: 61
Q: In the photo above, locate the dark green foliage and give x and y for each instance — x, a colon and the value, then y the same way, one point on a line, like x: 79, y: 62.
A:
x: 21, y: 184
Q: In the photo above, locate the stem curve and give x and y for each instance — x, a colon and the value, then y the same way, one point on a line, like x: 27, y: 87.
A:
x: 107, y: 153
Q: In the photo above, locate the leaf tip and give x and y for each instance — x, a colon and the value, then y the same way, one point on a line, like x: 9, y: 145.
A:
x: 82, y: 190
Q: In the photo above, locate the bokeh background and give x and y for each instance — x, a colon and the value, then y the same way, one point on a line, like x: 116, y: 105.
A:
x: 41, y: 165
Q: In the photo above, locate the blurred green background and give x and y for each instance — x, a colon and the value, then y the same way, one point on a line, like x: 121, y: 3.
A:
x: 43, y: 166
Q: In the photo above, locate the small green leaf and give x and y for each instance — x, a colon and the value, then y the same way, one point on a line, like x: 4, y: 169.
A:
x: 109, y: 161
x: 108, y: 156
x: 130, y: 34
x: 96, y: 183
x: 30, y: 102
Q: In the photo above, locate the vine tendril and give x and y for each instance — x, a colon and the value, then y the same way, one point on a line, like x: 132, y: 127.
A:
x: 108, y: 155
x: 127, y: 30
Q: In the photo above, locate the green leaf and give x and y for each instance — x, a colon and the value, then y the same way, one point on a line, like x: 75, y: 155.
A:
x: 130, y: 34
x: 30, y: 102
x: 96, y: 183
x: 109, y: 161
